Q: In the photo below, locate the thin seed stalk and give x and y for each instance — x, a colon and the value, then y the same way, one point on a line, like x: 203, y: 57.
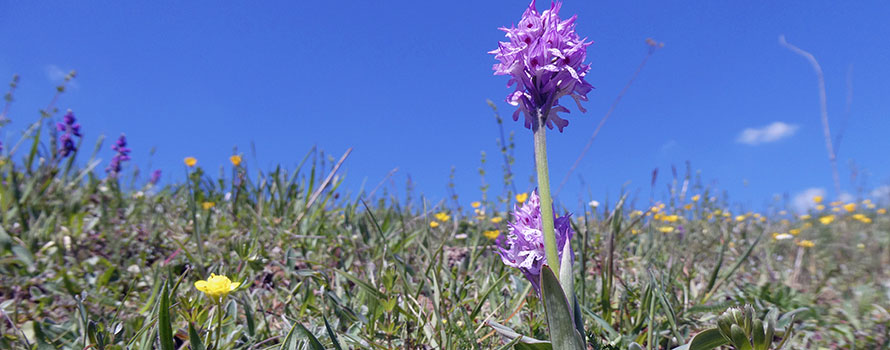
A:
x: 544, y: 193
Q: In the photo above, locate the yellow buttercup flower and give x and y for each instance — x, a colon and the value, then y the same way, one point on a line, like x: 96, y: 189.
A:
x: 860, y: 246
x: 817, y: 199
x: 522, y: 197
x: 794, y: 231
x: 850, y: 207
x: 805, y: 217
x: 806, y: 243
x: 190, y: 161
x: 687, y: 206
x: 236, y: 160
x: 827, y: 219
x: 862, y: 218
x: 443, y: 216
x: 496, y: 219
x: 207, y: 205
x: 882, y: 211
x: 434, y: 224
x: 740, y: 218
x: 820, y: 207
x: 476, y: 204
x: 491, y: 234
x: 217, y: 286
x: 666, y: 229
x: 695, y: 198
x: 670, y: 218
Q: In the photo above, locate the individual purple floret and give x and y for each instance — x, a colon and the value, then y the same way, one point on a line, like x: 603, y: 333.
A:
x: 69, y: 128
x: 524, y: 246
x: 155, y: 177
x: 544, y: 57
x: 123, y: 155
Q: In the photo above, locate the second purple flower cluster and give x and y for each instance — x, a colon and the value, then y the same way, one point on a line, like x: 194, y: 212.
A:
x: 524, y: 246
x: 123, y: 154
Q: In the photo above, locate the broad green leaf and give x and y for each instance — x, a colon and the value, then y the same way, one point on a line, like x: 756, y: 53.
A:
x: 707, y: 339
x: 563, y: 335
x: 194, y: 339
x: 165, y: 329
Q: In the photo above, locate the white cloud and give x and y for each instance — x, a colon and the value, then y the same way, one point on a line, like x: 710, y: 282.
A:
x: 770, y: 133
x: 881, y: 194
x: 803, y: 201
x: 57, y: 75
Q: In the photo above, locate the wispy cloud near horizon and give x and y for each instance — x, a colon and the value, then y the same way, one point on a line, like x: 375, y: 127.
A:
x: 770, y: 133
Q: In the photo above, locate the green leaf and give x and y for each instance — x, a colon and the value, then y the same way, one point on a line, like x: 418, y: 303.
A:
x: 327, y: 326
x: 290, y: 342
x: 740, y: 339
x: 760, y: 342
x: 563, y: 334
x: 707, y: 339
x: 165, y: 329
x: 194, y: 339
x: 510, y: 334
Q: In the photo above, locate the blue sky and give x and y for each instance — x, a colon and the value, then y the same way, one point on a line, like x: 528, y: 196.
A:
x: 405, y: 84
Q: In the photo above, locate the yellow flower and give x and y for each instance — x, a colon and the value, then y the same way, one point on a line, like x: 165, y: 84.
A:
x: 190, y: 161
x: 820, y: 207
x: 860, y: 246
x: 636, y: 213
x: 827, y: 219
x: 207, y: 205
x: 794, y: 231
x: 670, y: 218
x: 850, y: 207
x: 882, y: 211
x: 806, y: 243
x: 434, y: 224
x: 862, y: 218
x: 740, y: 218
x: 634, y: 231
x: 217, y: 286
x: 666, y: 229
x: 836, y: 203
x: 687, y: 206
x: 236, y: 160
x: 805, y: 217
x: 695, y: 198
x: 443, y: 216
x: 817, y: 199
x: 521, y: 197
x: 836, y: 210
x: 476, y: 204
x: 492, y: 234
x: 496, y: 219
x: 718, y: 212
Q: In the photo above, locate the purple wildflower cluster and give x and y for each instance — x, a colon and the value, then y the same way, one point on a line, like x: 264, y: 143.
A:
x: 123, y: 155
x: 524, y: 246
x: 155, y: 177
x: 69, y: 128
x: 545, y: 59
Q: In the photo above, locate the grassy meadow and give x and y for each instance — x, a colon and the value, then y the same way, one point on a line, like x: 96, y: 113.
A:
x: 92, y: 261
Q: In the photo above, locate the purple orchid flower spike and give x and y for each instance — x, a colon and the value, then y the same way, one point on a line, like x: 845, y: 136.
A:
x: 544, y: 57
x: 524, y: 245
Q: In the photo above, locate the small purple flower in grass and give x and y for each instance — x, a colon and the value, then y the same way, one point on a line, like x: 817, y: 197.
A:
x: 69, y: 128
x: 524, y: 246
x: 123, y: 154
x: 155, y: 177
x: 544, y: 57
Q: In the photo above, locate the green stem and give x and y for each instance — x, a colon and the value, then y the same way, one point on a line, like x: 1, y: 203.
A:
x: 219, y: 310
x: 544, y: 193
